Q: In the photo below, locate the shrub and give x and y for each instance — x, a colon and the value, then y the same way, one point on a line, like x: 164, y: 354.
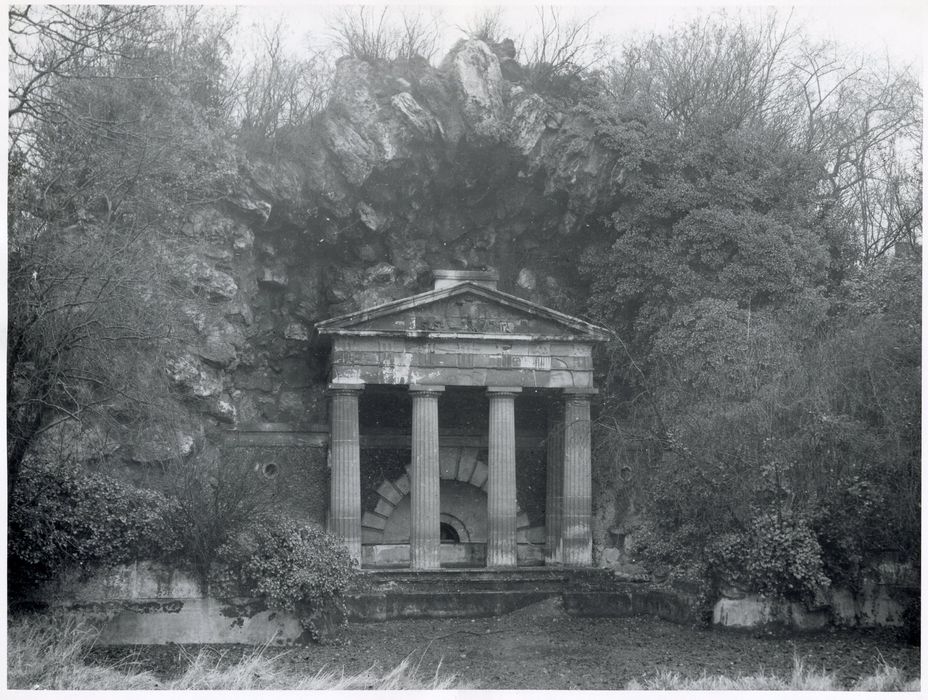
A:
x: 778, y: 556
x: 295, y: 567
x: 61, y: 516
x: 217, y: 500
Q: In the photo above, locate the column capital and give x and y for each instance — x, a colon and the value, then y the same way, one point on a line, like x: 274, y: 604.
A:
x: 503, y: 390
x: 425, y: 389
x: 344, y: 388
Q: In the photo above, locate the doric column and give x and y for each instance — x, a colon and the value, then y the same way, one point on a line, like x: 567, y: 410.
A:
x: 554, y: 486
x: 425, y: 525
x: 501, y: 486
x: 576, y: 532
x: 345, y: 479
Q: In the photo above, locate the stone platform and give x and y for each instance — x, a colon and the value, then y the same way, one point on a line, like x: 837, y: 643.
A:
x: 388, y: 594
x: 149, y: 603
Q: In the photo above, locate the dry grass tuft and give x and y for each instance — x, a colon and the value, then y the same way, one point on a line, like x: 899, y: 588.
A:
x: 257, y: 671
x: 886, y: 678
x: 47, y: 652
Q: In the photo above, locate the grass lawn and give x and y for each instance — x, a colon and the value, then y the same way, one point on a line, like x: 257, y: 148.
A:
x: 537, y: 647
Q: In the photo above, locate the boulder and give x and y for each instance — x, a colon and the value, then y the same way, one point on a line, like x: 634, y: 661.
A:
x: 275, y: 277
x: 221, y: 345
x: 478, y: 83
x: 157, y: 443
x: 193, y: 378
x: 215, y: 284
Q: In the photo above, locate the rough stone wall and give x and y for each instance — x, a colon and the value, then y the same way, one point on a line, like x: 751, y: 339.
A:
x: 297, y: 475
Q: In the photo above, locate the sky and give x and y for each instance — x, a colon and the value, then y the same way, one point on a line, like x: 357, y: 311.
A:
x: 893, y: 29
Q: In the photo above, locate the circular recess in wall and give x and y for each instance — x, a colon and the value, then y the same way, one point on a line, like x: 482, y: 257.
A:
x: 269, y: 470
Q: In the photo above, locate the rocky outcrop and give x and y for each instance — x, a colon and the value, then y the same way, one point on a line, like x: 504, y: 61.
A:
x: 411, y: 167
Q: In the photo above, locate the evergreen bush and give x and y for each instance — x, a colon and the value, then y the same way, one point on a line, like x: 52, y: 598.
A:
x: 62, y: 516
x: 296, y: 567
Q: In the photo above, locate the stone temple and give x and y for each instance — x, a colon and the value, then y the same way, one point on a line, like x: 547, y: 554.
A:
x: 460, y: 429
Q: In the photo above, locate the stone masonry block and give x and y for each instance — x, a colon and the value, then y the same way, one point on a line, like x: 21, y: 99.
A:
x: 384, y: 508
x: 389, y: 493
x: 371, y: 535
x: 467, y: 463
x: 448, y: 462
x: 373, y: 521
x: 480, y: 475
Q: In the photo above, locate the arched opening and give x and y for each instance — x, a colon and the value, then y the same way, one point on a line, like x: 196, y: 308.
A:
x: 463, y: 518
x: 449, y: 535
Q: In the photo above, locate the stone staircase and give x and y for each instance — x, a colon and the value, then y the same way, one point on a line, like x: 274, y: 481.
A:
x: 387, y: 594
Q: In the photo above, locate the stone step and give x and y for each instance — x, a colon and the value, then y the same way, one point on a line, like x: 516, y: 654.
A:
x: 376, y: 607
x: 386, y: 594
x: 484, y: 598
x: 525, y: 579
x: 632, y: 599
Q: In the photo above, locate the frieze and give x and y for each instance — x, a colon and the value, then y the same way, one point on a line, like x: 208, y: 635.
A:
x: 467, y: 314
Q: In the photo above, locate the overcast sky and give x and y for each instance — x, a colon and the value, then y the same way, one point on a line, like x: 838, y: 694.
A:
x: 896, y: 29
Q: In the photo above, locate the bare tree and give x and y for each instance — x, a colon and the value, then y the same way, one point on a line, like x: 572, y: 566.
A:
x: 486, y: 25
x: 216, y: 500
x: 419, y: 35
x: 562, y: 48
x: 859, y: 119
x: 865, y: 123
x: 109, y: 150
x: 713, y: 71
x: 277, y: 91
x: 379, y: 34
x: 48, y: 43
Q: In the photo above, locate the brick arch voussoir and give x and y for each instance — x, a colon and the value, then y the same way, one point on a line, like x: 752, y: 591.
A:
x: 454, y: 464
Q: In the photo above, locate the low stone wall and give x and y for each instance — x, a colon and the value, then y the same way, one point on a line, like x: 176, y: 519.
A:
x: 150, y: 603
x: 141, y: 580
x: 632, y: 599
x: 876, y: 605
x: 885, y: 595
x: 199, y: 621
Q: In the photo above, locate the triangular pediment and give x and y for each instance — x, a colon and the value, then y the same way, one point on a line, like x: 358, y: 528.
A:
x: 463, y: 309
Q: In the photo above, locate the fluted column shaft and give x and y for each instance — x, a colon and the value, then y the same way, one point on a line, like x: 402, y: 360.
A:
x: 425, y: 526
x: 345, y: 481
x: 554, y: 485
x: 576, y: 532
x: 501, y: 485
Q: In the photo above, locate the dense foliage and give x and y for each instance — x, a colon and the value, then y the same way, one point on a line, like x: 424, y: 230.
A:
x: 293, y: 566
x: 65, y: 518
x: 766, y: 368
x: 117, y: 129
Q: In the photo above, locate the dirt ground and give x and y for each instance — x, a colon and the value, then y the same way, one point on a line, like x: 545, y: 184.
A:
x: 540, y: 647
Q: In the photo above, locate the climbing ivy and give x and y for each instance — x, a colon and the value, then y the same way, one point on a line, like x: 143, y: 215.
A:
x: 63, y: 517
x: 295, y: 567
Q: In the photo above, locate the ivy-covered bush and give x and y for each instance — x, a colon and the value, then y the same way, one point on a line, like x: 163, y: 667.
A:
x: 293, y: 566
x: 62, y: 516
x: 777, y: 556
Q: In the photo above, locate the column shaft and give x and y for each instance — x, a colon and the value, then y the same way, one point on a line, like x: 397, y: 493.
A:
x: 501, y: 485
x: 576, y: 530
x: 425, y: 526
x: 345, y: 481
x: 554, y: 486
